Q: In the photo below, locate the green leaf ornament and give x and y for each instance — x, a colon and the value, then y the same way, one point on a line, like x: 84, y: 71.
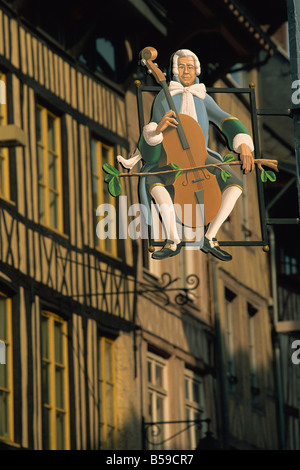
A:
x: 224, y: 175
x: 228, y: 158
x: 176, y: 167
x: 271, y: 175
x: 111, y: 170
x: 114, y: 186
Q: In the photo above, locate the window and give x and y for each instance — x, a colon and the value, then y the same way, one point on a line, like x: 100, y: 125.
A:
x: 6, y: 372
x: 107, y: 394
x: 55, y: 385
x: 239, y: 76
x: 157, y: 395
x: 194, y: 406
x: 4, y: 154
x: 100, y: 154
x: 49, y: 168
x: 229, y: 340
x: 288, y: 263
x: 106, y: 56
x: 253, y: 339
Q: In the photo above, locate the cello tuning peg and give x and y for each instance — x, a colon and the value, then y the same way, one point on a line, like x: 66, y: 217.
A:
x: 156, y: 65
x: 149, y: 71
x: 143, y: 62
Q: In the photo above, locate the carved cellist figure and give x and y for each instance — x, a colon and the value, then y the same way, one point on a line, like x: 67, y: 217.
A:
x: 190, y: 98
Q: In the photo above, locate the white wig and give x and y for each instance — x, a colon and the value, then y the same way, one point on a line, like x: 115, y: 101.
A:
x: 185, y: 53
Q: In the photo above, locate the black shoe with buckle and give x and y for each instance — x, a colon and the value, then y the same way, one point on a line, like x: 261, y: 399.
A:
x: 166, y: 251
x: 215, y: 250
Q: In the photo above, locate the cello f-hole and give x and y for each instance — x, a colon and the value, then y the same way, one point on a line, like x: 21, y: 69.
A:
x: 186, y: 182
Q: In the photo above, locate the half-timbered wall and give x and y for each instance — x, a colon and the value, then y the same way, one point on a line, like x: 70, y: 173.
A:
x: 37, y: 72
x: 60, y: 271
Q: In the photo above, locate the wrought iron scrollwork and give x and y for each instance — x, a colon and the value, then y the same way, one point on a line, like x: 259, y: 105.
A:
x: 183, y: 297
x: 163, y: 287
x: 153, y: 431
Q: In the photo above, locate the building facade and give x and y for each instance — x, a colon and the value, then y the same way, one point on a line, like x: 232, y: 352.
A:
x: 101, y: 340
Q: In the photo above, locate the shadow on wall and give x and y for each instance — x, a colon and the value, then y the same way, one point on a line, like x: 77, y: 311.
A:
x: 248, y: 391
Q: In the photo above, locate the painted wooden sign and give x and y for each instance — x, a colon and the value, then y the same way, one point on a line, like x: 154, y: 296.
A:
x: 179, y: 169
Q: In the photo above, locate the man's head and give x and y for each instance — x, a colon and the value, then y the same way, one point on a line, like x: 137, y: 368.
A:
x: 186, y: 66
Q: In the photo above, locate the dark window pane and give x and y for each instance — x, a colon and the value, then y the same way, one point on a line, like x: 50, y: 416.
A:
x: 38, y: 125
x: 41, y: 204
x: 59, y: 387
x: 196, y: 392
x: 149, y: 372
x: 41, y: 174
x: 108, y: 362
x: 51, y: 133
x: 45, y: 383
x: 60, y: 421
x: 58, y: 336
x: 53, y: 209
x: 186, y: 386
x: 52, y: 159
x: 45, y: 337
x: 3, y: 318
x: 4, y: 430
x: 46, y: 428
x: 158, y: 375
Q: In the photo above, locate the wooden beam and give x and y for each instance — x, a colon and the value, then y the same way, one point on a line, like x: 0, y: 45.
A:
x: 12, y: 136
x: 235, y: 43
x: 205, y: 27
x: 223, y: 30
x: 77, y: 48
x: 289, y: 326
x: 143, y: 8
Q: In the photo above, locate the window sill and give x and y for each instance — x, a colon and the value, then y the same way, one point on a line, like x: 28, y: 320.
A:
x: 8, y: 201
x: 8, y: 442
x: 109, y: 254
x: 54, y: 230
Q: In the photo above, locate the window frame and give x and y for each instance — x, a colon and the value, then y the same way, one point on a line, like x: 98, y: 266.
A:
x: 52, y: 317
x: 102, y: 381
x: 193, y: 406
x: 100, y: 244
x: 44, y: 145
x: 157, y: 391
x: 9, y: 363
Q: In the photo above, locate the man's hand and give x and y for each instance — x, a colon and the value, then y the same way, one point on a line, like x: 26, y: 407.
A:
x: 166, y: 121
x: 247, y: 159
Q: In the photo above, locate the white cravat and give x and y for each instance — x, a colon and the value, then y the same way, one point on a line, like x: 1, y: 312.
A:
x: 187, y: 102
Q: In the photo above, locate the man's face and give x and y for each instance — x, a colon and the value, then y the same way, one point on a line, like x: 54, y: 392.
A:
x: 186, y: 70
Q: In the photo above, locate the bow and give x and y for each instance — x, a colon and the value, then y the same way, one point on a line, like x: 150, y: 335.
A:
x: 187, y: 103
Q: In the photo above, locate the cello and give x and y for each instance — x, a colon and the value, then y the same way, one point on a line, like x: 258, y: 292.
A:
x: 185, y: 146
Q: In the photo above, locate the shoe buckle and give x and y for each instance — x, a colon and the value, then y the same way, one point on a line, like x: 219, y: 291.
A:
x: 215, y: 242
